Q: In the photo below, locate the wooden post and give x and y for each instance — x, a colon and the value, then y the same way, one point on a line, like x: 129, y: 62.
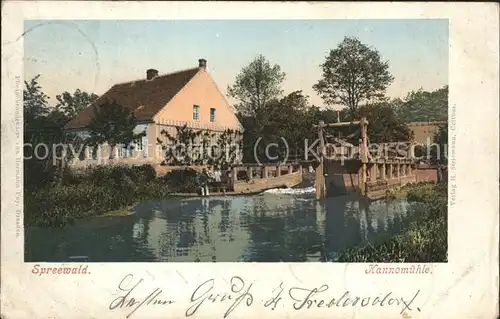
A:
x: 390, y: 171
x: 320, y: 176
x: 278, y: 170
x: 290, y: 168
x: 383, y: 175
x: 250, y: 172
x: 373, y: 172
x: 234, y: 177
x: 364, y: 152
x: 265, y: 171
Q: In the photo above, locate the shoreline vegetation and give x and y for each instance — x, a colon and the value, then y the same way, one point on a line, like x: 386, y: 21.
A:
x: 100, y: 191
x: 424, y: 240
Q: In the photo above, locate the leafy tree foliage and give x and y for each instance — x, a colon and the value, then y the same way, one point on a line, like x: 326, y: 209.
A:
x: 35, y: 101
x: 113, y: 124
x: 288, y: 119
x: 423, y: 106
x: 292, y: 118
x: 72, y: 104
x: 353, y: 73
x: 45, y: 140
x: 257, y: 84
x: 384, y: 124
x: 327, y: 115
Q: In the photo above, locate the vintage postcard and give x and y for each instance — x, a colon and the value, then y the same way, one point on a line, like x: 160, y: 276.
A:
x: 242, y: 160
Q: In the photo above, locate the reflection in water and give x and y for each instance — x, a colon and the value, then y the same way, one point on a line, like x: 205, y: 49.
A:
x: 271, y: 227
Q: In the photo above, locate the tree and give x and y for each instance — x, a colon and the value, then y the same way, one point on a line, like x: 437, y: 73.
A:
x: 287, y: 119
x: 256, y: 85
x: 423, y: 106
x: 35, y: 101
x: 72, y: 104
x: 112, y: 124
x: 352, y: 73
x: 326, y: 115
x: 44, y: 138
x: 383, y: 123
x: 297, y: 101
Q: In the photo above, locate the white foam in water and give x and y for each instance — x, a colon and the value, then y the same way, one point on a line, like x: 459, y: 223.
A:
x: 306, y: 190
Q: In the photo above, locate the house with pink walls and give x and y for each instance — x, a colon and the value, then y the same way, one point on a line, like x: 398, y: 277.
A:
x: 161, y: 103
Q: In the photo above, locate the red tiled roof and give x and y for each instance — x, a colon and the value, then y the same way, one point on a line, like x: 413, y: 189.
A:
x: 145, y: 97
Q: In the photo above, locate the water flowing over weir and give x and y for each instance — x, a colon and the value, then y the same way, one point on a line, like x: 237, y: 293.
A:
x: 306, y: 190
x: 278, y: 225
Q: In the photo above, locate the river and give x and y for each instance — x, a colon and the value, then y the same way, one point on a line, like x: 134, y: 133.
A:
x: 279, y: 225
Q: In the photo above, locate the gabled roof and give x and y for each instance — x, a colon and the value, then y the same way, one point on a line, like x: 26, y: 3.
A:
x: 145, y: 97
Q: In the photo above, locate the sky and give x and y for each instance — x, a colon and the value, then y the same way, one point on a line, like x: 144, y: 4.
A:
x: 92, y: 55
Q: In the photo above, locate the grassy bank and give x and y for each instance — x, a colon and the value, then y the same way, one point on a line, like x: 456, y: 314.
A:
x: 95, y: 192
x: 425, y: 240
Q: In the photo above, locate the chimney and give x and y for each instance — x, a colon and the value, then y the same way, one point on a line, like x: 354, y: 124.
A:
x: 151, y: 74
x: 202, y: 63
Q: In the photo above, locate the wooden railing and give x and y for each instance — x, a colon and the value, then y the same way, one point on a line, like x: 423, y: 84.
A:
x: 252, y: 171
x: 255, y: 177
x: 386, y: 154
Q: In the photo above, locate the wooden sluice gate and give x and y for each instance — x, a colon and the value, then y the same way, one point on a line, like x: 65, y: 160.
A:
x: 347, y: 168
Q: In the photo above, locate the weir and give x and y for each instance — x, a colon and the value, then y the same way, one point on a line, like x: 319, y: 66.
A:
x: 260, y: 177
x: 347, y: 168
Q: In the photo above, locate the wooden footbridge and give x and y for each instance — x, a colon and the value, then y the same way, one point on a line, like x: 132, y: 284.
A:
x: 347, y: 166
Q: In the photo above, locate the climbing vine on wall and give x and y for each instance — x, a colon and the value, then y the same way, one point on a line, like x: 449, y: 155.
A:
x: 196, y: 147
x: 230, y: 144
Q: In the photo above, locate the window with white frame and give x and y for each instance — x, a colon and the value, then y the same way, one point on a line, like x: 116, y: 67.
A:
x: 122, y: 151
x: 196, y: 112
x: 138, y: 145
x: 212, y: 114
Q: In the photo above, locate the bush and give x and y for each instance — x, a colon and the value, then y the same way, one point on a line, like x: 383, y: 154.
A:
x: 145, y: 173
x: 425, y: 240
x: 56, y: 206
x: 92, y: 192
x: 153, y: 190
x: 112, y: 174
x: 422, y: 191
x: 183, y: 180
